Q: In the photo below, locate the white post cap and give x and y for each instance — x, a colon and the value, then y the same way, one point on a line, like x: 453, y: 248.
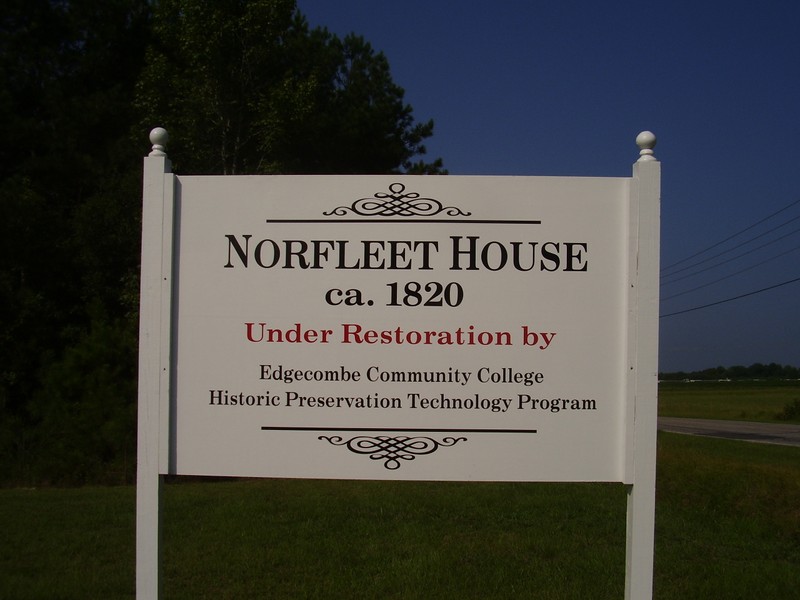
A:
x: 646, y: 141
x: 159, y: 138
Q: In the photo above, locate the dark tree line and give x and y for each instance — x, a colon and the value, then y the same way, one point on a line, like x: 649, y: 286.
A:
x: 754, y: 371
x: 243, y: 87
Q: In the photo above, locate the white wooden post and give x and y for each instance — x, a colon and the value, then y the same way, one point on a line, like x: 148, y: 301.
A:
x: 154, y: 362
x: 645, y: 210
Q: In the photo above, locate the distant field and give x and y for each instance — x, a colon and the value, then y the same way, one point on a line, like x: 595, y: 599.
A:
x: 727, y: 526
x: 730, y: 400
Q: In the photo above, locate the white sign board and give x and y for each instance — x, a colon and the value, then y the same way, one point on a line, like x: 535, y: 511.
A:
x: 400, y: 327
x: 449, y: 328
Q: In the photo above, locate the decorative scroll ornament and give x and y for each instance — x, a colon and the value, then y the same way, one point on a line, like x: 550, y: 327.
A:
x: 396, y: 203
x: 392, y: 449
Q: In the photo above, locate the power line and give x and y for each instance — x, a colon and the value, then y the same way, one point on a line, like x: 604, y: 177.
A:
x: 725, y: 262
x: 751, y: 240
x: 730, y: 237
x: 766, y: 289
x: 750, y: 268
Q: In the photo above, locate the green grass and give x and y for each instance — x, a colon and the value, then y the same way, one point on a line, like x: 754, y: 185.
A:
x: 67, y: 543
x: 727, y: 526
x: 728, y: 400
x: 394, y: 540
x: 727, y: 520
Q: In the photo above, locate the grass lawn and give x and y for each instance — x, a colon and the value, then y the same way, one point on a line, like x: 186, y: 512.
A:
x: 727, y: 526
x: 728, y: 400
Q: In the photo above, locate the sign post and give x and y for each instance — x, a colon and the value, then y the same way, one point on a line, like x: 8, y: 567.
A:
x: 645, y: 216
x: 154, y: 362
x: 400, y: 327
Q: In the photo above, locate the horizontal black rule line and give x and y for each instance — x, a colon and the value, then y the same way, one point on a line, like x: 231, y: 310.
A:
x: 398, y: 430
x: 389, y: 222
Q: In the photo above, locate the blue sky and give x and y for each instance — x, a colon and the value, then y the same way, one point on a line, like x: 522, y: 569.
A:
x: 563, y: 88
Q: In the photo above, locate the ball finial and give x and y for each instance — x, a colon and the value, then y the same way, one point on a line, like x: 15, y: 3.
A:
x: 646, y: 141
x: 159, y: 138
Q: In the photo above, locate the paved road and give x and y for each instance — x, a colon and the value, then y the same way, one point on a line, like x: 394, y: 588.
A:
x: 767, y: 433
